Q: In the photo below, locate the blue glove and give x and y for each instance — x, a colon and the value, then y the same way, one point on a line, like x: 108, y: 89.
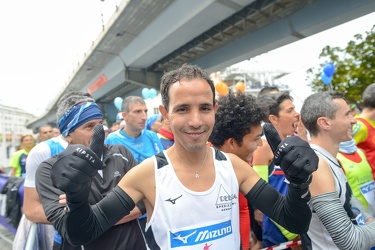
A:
x: 76, y: 165
x: 294, y: 156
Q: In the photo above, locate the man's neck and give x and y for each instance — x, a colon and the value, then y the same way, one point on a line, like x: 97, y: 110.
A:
x: 325, y: 142
x: 368, y: 113
x: 132, y: 133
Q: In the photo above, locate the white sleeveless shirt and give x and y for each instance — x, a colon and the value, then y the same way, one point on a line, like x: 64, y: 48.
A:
x: 320, y: 238
x: 184, y: 219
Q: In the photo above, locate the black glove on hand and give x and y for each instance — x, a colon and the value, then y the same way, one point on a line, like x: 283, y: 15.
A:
x: 77, y: 164
x: 294, y: 155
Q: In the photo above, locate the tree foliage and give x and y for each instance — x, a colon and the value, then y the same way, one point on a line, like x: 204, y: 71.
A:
x: 354, y: 64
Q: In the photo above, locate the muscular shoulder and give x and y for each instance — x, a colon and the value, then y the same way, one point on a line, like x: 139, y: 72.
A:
x: 322, y: 181
x: 140, y: 180
x: 246, y: 176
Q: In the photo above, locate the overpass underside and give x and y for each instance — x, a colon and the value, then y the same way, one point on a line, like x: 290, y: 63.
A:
x: 146, y: 38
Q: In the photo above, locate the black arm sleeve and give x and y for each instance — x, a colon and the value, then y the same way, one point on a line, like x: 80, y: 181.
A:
x: 141, y: 206
x: 84, y: 223
x: 292, y: 212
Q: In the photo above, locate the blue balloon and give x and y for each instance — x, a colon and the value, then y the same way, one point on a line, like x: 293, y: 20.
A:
x: 118, y: 103
x: 329, y: 69
x: 145, y: 93
x: 326, y: 79
x: 152, y: 93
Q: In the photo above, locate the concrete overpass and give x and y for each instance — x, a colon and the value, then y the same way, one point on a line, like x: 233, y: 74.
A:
x: 145, y: 38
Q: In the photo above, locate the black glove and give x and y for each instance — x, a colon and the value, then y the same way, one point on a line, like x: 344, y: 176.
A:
x: 294, y: 156
x: 77, y: 164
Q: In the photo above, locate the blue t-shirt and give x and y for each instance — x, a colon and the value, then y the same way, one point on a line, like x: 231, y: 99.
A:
x: 142, y: 147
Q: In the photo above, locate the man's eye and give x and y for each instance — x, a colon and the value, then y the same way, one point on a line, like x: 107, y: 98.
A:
x: 181, y: 109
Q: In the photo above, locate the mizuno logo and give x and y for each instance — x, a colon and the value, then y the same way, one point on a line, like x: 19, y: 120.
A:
x: 185, y: 238
x: 194, y: 236
x: 206, y: 235
x: 173, y: 201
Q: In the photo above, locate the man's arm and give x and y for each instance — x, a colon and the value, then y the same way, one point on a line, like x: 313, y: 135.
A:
x: 298, y: 161
x: 13, y: 164
x: 133, y: 215
x: 292, y: 212
x: 48, y: 194
x: 32, y: 207
x: 327, y: 205
x: 72, y: 173
x: 82, y: 223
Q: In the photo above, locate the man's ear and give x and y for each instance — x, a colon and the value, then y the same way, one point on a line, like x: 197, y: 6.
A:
x: 273, y: 119
x: 69, y: 139
x: 123, y: 116
x: 323, y: 122
x: 163, y: 111
x: 229, y: 145
x: 216, y: 106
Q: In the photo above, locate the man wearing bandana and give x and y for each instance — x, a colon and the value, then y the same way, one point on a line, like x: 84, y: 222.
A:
x: 77, y: 118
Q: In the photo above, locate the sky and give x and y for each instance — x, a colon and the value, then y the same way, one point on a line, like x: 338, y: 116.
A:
x: 43, y: 40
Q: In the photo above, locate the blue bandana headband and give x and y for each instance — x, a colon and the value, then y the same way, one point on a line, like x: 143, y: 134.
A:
x: 78, y: 115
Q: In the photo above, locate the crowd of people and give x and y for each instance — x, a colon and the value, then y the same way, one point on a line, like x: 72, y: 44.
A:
x: 207, y: 172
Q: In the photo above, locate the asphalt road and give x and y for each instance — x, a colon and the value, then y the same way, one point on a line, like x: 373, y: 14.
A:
x: 6, y: 238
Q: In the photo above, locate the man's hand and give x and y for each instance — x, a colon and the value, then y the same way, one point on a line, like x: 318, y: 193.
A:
x: 77, y: 164
x: 294, y: 155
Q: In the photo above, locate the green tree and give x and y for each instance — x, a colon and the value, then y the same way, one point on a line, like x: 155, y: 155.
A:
x: 354, y: 67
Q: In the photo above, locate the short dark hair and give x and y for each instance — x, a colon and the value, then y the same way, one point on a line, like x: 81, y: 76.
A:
x: 187, y: 72
x: 270, y: 103
x: 236, y: 115
x: 268, y: 89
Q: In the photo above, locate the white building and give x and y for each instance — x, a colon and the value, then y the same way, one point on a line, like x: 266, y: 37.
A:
x: 255, y: 78
x: 12, y: 126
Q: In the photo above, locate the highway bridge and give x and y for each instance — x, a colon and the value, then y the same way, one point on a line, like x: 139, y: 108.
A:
x: 145, y: 38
